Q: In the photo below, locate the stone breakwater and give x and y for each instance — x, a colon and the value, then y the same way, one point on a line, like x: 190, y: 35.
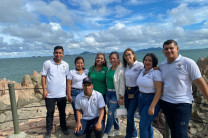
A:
x: 31, y: 105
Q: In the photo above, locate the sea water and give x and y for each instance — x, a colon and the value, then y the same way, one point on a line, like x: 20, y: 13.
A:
x: 15, y: 68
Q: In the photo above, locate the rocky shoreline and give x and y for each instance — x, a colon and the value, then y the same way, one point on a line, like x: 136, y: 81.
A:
x: 31, y: 105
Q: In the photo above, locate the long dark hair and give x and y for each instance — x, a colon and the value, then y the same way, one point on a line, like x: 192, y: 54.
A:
x: 105, y: 62
x: 124, y: 60
x: 154, y: 59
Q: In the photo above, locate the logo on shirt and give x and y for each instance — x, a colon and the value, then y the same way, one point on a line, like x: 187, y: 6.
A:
x: 64, y: 67
x: 102, y: 71
x: 179, y: 67
x: 94, y: 99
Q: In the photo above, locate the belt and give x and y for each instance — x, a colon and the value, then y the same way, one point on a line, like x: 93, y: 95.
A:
x: 111, y: 90
x: 146, y: 93
x: 76, y: 88
x: 129, y: 88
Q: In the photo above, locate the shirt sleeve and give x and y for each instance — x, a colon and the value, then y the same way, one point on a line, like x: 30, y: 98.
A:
x: 67, y: 69
x: 86, y: 71
x: 77, y: 103
x: 101, y: 102
x: 45, y: 68
x: 69, y: 76
x: 157, y: 76
x: 194, y: 70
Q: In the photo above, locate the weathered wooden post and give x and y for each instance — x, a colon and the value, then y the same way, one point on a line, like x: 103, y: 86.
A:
x: 14, y: 108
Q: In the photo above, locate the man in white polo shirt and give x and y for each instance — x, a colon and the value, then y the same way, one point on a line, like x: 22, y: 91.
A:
x: 178, y: 73
x: 54, y: 74
x: 90, y: 104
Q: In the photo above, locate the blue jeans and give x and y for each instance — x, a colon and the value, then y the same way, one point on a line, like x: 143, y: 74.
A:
x: 87, y: 125
x: 145, y: 125
x: 131, y: 106
x: 50, y: 106
x: 177, y: 117
x: 74, y: 93
x: 112, y: 104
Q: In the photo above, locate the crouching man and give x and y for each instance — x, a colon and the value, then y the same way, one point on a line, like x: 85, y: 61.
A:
x: 90, y: 105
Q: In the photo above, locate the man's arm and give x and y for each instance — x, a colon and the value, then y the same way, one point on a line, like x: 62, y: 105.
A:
x: 98, y: 126
x: 43, y: 80
x: 201, y: 84
x: 68, y: 89
x: 79, y: 124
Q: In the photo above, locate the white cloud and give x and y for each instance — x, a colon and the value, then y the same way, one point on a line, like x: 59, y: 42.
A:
x: 14, y: 11
x: 55, y: 26
x: 29, y: 27
x: 183, y: 15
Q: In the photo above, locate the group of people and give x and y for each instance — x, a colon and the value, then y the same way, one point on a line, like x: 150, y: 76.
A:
x: 137, y: 85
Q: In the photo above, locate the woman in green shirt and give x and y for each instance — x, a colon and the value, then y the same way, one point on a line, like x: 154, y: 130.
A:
x: 98, y: 74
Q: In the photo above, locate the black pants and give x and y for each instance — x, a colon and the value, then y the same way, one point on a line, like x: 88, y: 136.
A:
x: 50, y: 106
x: 177, y: 117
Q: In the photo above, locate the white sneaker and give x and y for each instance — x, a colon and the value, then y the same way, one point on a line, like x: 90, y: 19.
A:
x: 105, y: 135
x: 117, y: 132
x: 111, y: 134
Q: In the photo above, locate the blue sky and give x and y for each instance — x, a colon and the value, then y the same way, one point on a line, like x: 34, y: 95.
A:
x: 34, y: 27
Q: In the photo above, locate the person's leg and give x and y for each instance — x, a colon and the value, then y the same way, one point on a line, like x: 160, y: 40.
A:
x: 112, y: 106
x: 131, y: 128
x: 85, y: 125
x: 61, y: 104
x: 98, y: 134
x: 182, y: 118
x: 104, y: 117
x: 145, y: 125
x: 50, y: 106
x: 74, y: 94
x: 169, y: 111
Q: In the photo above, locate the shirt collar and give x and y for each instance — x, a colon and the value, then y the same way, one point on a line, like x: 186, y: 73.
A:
x: 93, y: 92
x: 135, y: 62
x: 52, y: 61
x: 177, y: 59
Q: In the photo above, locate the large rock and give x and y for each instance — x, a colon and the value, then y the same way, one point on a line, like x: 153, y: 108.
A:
x: 199, y: 121
x: 4, y: 94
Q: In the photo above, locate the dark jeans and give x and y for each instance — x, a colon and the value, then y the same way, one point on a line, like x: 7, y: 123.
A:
x: 50, y: 106
x: 177, y: 117
x: 145, y: 125
x: 131, y: 106
x: 87, y: 125
x: 74, y: 93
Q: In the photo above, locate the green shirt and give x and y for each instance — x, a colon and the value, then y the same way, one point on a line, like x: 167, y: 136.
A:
x: 99, y: 79
x: 109, y: 77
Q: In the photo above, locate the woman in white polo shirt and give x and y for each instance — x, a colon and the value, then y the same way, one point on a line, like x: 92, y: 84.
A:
x: 115, y: 93
x: 74, y: 81
x: 132, y: 70
x: 150, y: 86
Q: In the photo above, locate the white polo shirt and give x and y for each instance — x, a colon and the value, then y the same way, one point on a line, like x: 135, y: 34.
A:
x: 90, y: 107
x: 55, y: 78
x: 132, y: 73
x: 177, y: 78
x: 146, y: 82
x: 77, y: 78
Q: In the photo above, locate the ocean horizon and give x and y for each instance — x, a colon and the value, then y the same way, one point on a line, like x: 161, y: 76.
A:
x: 15, y: 69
